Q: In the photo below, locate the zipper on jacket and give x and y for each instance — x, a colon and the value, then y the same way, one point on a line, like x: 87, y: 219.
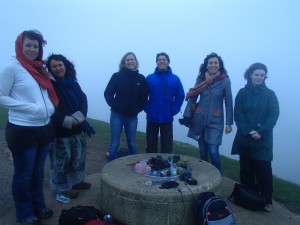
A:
x: 165, y: 88
x: 47, y: 113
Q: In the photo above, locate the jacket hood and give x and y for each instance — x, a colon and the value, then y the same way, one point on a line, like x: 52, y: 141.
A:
x: 256, y: 89
x: 160, y: 72
x: 128, y: 71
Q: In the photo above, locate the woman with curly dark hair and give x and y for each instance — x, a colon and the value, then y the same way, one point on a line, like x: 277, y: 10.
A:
x: 68, y: 152
x: 205, y: 118
x: 256, y: 111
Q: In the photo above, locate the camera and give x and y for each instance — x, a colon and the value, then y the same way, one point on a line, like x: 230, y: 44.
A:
x: 169, y: 184
x: 187, y: 177
x: 190, y: 181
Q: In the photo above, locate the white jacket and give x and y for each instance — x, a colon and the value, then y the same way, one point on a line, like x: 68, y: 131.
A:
x: 28, y: 103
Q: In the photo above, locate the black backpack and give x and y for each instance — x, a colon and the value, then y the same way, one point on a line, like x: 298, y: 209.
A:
x: 247, y: 197
x: 79, y: 215
x: 212, y: 209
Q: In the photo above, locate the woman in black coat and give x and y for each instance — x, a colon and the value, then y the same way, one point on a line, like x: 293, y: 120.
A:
x: 126, y: 94
x: 69, y: 149
x: 256, y: 111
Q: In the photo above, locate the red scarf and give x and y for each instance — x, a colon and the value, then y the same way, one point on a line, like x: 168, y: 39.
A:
x: 197, y: 89
x: 36, y: 69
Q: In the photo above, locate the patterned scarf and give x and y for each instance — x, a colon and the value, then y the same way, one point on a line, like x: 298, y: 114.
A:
x: 197, y: 89
x: 36, y: 69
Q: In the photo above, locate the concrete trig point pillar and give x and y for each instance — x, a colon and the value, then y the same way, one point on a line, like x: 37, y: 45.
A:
x: 128, y: 199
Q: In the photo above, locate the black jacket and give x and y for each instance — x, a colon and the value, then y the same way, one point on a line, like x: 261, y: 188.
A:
x: 126, y: 92
x: 65, y: 108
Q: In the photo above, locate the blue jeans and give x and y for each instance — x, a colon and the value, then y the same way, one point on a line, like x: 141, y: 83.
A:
x: 210, y: 153
x: 117, y: 122
x: 28, y: 178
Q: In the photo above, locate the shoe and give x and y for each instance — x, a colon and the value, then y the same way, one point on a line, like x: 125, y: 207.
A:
x: 70, y: 193
x: 268, y: 207
x: 45, y: 214
x: 81, y: 186
x: 29, y: 221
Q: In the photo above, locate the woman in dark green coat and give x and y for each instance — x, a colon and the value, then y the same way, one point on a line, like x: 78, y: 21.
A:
x: 256, y: 111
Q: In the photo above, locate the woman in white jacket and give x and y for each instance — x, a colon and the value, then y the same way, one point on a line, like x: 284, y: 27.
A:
x: 26, y: 91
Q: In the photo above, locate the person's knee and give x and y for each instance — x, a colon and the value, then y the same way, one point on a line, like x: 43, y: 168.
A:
x: 204, y: 154
x: 114, y: 144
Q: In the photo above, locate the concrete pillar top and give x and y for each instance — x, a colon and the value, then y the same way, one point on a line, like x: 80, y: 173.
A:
x: 125, y: 195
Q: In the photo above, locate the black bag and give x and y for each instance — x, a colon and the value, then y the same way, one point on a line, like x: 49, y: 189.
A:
x: 79, y: 215
x: 211, y: 209
x: 247, y: 197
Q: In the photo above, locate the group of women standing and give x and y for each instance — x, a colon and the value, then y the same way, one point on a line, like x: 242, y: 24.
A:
x: 255, y: 112
x: 47, y: 112
x: 46, y: 109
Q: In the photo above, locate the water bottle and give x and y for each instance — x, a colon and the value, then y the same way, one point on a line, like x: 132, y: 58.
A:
x: 172, y: 167
x: 62, y: 198
x: 107, y: 219
x: 158, y: 181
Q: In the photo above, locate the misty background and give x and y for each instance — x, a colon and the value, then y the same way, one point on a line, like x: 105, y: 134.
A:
x: 95, y: 34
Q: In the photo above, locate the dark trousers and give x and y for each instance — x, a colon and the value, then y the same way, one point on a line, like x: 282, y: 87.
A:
x: 166, y: 137
x: 256, y: 174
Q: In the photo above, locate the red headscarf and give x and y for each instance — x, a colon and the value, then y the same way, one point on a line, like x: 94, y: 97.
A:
x: 36, y: 69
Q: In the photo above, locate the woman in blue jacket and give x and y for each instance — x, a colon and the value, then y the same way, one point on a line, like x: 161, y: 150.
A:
x: 256, y: 111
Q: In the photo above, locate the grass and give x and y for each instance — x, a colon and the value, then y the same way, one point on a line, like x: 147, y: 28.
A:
x: 285, y: 192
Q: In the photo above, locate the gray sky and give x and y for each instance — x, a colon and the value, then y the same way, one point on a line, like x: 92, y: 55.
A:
x: 95, y: 34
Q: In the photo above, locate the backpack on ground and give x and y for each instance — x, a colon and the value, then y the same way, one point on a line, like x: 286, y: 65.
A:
x: 79, y: 215
x: 210, y: 209
x: 247, y: 197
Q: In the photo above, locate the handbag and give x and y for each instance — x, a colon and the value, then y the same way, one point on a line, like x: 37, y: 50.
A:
x: 247, y: 197
x: 186, y: 121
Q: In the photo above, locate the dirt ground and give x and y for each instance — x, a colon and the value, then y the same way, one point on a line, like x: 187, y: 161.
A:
x: 95, y: 161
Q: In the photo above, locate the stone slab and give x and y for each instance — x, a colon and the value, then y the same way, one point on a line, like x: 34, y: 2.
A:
x: 124, y: 194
